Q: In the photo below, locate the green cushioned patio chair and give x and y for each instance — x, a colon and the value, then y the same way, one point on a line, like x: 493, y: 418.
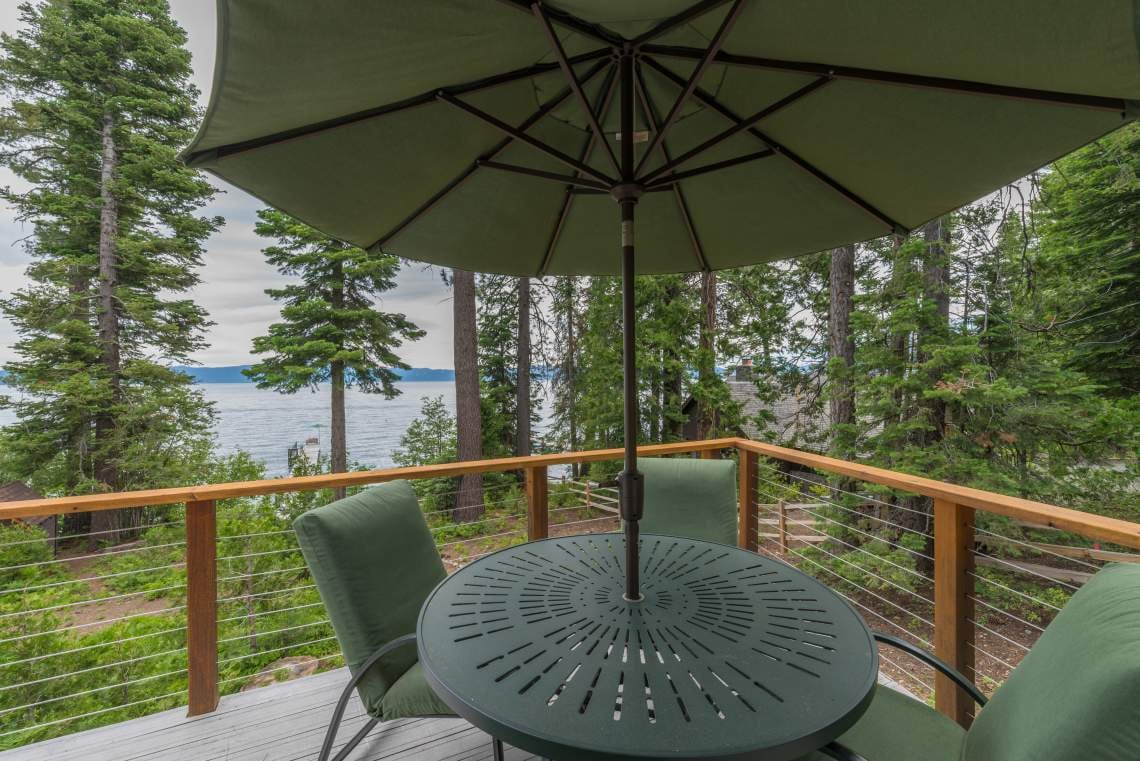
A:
x: 374, y: 563
x: 1074, y: 697
x: 690, y: 498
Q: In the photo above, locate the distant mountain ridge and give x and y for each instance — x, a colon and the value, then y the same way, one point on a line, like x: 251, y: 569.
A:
x: 233, y: 374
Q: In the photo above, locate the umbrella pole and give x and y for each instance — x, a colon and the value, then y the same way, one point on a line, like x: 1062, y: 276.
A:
x: 626, y: 194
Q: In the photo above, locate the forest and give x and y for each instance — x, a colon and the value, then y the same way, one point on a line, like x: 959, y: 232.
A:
x: 996, y: 347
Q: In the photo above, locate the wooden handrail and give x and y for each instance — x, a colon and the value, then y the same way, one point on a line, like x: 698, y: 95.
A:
x: 207, y: 492
x: 1090, y: 525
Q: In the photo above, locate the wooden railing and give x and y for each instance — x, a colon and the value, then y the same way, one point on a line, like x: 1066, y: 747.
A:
x: 954, y: 508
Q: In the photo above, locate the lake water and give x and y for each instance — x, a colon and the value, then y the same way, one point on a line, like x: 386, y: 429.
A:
x: 266, y: 424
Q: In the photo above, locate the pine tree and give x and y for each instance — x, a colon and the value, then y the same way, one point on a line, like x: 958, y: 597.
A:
x: 1089, y: 217
x: 100, y: 101
x: 331, y: 330
x: 468, y: 416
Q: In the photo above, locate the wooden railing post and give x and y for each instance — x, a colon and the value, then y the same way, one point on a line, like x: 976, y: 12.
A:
x: 201, y: 607
x: 953, y: 605
x: 748, y: 525
x: 537, y: 504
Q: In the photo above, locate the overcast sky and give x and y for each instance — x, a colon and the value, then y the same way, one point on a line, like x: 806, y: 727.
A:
x: 236, y: 275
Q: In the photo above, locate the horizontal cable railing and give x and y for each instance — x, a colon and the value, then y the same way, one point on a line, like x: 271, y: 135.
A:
x: 209, y: 594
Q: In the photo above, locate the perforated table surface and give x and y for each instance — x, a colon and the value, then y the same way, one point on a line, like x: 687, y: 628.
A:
x: 729, y: 655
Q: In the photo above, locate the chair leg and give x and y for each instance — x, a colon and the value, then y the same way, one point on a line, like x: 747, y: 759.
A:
x: 497, y: 749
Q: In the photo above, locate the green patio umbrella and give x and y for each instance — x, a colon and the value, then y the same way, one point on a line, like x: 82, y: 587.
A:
x: 496, y: 135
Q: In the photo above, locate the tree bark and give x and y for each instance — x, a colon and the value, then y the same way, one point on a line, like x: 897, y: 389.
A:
x: 106, y: 523
x: 841, y: 345
x: 339, y: 448
x: 468, y: 420
x: 571, y: 368
x: 522, y: 382
x: 706, y: 415
x: 338, y: 462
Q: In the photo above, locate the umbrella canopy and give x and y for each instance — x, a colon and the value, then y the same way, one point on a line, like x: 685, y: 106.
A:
x: 864, y: 118
x: 496, y: 136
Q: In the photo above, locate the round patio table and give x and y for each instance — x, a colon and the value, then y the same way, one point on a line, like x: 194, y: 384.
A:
x: 729, y: 655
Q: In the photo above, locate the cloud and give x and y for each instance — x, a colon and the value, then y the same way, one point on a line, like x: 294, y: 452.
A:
x: 235, y: 274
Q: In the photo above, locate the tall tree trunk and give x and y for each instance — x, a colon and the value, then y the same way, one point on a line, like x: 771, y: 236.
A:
x: 468, y: 420
x: 841, y: 345
x: 522, y: 382
x: 338, y: 462
x: 900, y: 340
x: 706, y: 415
x: 106, y: 523
x: 339, y: 447
x: 571, y: 367
x: 936, y: 322
x: 672, y: 427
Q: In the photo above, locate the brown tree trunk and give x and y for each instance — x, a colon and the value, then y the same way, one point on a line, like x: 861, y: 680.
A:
x: 338, y: 462
x: 841, y: 346
x: 105, y: 524
x: 571, y: 367
x: 706, y: 415
x: 936, y: 324
x: 339, y: 448
x: 522, y: 382
x: 468, y: 421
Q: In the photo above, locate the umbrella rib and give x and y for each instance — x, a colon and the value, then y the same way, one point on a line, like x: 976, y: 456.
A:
x: 739, y: 127
x: 533, y: 142
x: 895, y: 78
x: 605, y: 99
x: 566, y: 179
x: 651, y: 117
x: 706, y: 58
x: 802, y: 163
x: 306, y: 130
x: 572, y: 80
x: 458, y: 180
x: 706, y: 168
x: 671, y: 23
x: 570, y: 21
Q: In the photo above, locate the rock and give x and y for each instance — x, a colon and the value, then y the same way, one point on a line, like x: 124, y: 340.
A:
x: 282, y: 670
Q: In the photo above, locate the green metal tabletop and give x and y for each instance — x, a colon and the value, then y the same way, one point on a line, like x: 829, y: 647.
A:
x: 729, y: 655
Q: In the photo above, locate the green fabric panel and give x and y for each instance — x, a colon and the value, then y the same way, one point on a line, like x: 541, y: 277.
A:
x: 899, y: 728
x: 926, y: 151
x: 1076, y: 694
x: 282, y: 66
x: 691, y: 498
x: 1085, y: 47
x: 410, y: 696
x: 374, y: 563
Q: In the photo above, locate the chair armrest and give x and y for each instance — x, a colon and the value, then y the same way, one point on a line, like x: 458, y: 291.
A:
x: 407, y: 639
x: 937, y: 663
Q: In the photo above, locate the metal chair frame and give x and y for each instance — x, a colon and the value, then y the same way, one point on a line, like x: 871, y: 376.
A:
x: 346, y: 694
x: 840, y: 752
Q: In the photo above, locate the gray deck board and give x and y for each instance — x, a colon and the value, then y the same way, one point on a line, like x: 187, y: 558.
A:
x: 281, y: 722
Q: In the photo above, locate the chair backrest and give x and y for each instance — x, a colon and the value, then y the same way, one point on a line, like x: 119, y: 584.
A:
x: 1076, y: 695
x: 691, y: 498
x: 374, y: 563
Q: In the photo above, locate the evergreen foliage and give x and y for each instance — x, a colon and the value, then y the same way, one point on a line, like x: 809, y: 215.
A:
x: 100, y: 101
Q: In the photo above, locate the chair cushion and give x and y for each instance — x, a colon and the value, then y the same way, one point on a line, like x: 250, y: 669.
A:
x: 691, y: 498
x: 374, y: 563
x: 1076, y: 694
x: 411, y: 696
x: 899, y: 728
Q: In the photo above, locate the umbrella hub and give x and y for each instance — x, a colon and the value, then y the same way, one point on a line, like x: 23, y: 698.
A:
x: 627, y: 191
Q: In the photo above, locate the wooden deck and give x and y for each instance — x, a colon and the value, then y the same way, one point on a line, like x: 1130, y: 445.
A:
x: 282, y: 722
